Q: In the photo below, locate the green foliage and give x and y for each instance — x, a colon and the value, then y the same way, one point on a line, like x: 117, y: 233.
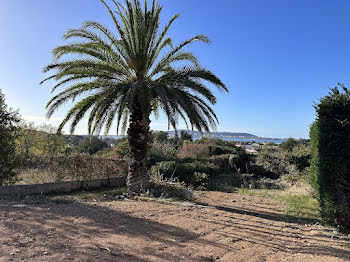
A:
x: 160, y: 137
x: 91, y: 145
x: 297, y: 153
x: 34, y: 141
x: 8, y: 128
x: 185, y: 172
x: 270, y: 164
x: 330, y: 143
x: 299, y: 201
x: 300, y: 157
x: 161, y: 152
x: 301, y: 206
x: 290, y: 160
x: 185, y: 136
x: 184, y: 139
x: 289, y: 144
x: 121, y: 149
x: 315, y: 160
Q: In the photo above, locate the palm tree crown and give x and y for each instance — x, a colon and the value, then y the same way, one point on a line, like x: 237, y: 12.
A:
x: 112, y: 71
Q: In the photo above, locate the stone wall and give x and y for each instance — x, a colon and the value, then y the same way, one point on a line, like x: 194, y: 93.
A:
x: 61, y: 187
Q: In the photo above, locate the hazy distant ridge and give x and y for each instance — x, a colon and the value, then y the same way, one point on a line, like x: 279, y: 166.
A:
x: 221, y: 135
x: 232, y: 135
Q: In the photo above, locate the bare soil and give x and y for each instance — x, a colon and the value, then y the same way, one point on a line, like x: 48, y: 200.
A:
x: 219, y: 227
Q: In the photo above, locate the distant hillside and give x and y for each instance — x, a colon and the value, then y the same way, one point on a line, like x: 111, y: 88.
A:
x: 230, y: 135
x: 221, y: 135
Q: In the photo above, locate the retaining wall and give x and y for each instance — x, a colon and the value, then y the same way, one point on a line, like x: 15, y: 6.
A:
x: 61, y: 187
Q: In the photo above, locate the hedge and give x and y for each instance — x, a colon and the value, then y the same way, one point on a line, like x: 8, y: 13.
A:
x: 330, y: 164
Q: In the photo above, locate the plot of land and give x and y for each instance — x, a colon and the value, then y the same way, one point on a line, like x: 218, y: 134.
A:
x: 219, y: 227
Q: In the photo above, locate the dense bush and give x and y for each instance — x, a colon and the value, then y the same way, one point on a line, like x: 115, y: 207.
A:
x: 290, y: 160
x: 289, y: 144
x: 121, y: 149
x: 315, y: 160
x: 161, y: 152
x: 270, y: 164
x: 330, y: 143
x: 194, y: 172
x: 300, y: 156
x: 38, y: 141
x: 205, y: 147
x: 8, y: 127
x: 198, y: 161
x: 159, y: 137
x: 91, y: 145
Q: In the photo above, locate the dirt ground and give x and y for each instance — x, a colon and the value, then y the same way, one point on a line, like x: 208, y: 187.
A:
x: 220, y: 227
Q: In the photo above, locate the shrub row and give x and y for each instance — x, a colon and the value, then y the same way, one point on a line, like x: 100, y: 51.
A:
x: 194, y: 173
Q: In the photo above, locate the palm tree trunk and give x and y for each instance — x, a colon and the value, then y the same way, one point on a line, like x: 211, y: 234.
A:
x: 138, y: 179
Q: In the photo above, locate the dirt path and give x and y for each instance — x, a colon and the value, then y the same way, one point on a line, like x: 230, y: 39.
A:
x: 224, y: 227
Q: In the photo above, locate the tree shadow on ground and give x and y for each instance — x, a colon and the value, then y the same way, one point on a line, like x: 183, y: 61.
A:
x: 58, y: 229
x: 264, y: 228
x: 87, y: 231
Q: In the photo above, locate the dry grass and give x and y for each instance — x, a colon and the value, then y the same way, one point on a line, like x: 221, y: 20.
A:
x: 299, y: 200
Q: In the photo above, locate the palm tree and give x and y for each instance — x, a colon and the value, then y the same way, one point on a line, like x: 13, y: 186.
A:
x: 127, y: 76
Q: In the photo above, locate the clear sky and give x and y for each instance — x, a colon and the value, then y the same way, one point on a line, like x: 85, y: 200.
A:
x: 276, y: 57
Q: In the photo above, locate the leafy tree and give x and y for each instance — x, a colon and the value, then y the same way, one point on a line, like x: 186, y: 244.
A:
x: 185, y: 136
x: 160, y: 136
x: 129, y: 75
x: 92, y: 145
x: 8, y: 127
x: 289, y: 144
x: 33, y: 141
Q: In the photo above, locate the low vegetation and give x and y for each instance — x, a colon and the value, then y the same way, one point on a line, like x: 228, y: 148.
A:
x: 299, y: 199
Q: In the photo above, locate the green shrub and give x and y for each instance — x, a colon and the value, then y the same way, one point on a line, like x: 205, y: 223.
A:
x: 216, y: 151
x: 200, y: 178
x: 8, y: 128
x: 36, y: 141
x: 121, y: 148
x: 161, y: 152
x: 289, y: 144
x: 300, y: 157
x: 330, y: 143
x: 269, y: 164
x: 185, y: 172
x: 314, y: 168
x: 91, y: 145
x: 160, y: 137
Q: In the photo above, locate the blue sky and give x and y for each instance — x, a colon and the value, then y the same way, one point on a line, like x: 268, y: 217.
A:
x: 276, y: 57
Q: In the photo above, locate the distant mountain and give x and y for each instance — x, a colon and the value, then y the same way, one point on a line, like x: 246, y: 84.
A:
x: 221, y: 135
x: 226, y: 135
x: 217, y: 134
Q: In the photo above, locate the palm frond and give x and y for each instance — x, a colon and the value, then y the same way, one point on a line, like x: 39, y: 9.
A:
x: 106, y: 70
